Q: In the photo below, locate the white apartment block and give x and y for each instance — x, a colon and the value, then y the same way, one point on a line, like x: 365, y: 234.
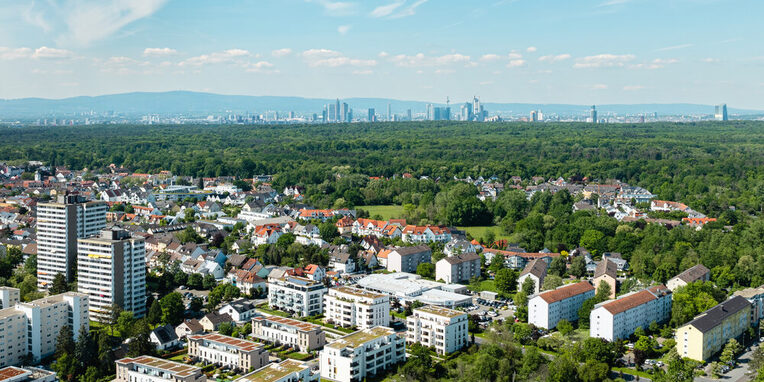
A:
x: 406, y: 259
x: 458, y: 268
x: 546, y: 309
x: 348, y: 307
x: 59, y: 225
x: 33, y: 327
x: 364, y: 353
x: 289, y: 370
x: 442, y: 328
x: 286, y: 331
x: 111, y: 269
x: 298, y: 295
x: 9, y: 297
x: 227, y: 351
x: 617, y: 319
x: 152, y: 369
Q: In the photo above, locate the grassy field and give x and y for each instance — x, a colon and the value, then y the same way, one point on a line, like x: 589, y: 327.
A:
x: 488, y: 285
x: 387, y: 212
x: 479, y: 232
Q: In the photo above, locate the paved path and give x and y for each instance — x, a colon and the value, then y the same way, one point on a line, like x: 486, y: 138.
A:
x: 738, y: 374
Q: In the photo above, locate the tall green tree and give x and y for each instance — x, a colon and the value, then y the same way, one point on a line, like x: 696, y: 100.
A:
x: 172, y: 308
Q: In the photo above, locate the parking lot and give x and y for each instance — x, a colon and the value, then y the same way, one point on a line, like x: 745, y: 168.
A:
x: 490, y: 310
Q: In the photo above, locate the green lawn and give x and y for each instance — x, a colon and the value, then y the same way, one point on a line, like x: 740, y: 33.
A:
x: 479, y: 232
x: 488, y: 285
x: 387, y: 212
x: 265, y: 309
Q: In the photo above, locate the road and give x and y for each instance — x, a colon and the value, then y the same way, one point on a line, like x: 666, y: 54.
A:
x: 738, y: 374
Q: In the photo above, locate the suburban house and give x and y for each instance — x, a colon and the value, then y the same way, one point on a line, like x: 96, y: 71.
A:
x: 536, y: 271
x: 188, y: 327
x: 690, y: 275
x: 607, y: 272
x: 164, y: 337
x: 241, y: 310
x: 211, y: 321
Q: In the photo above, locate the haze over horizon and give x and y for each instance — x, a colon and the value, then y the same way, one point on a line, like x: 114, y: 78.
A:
x: 583, y: 52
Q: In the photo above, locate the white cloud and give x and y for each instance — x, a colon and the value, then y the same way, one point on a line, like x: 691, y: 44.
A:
x: 397, y: 9
x: 81, y: 22
x: 490, y: 57
x: 531, y: 49
x: 383, y: 54
x: 657, y: 63
x: 710, y: 60
x: 225, y: 56
x: 484, y: 83
x: 633, y: 87
x: 444, y: 71
x: 343, y: 29
x: 675, y: 47
x: 599, y: 87
x: 14, y: 54
x: 336, y: 8
x: 363, y: 72
x: 514, y: 55
x: 420, y: 60
x: 258, y: 67
x: 603, y: 61
x: 516, y: 63
x: 41, y: 53
x: 386, y: 10
x: 332, y: 58
x: 281, y: 52
x: 159, y: 52
x: 559, y: 57
x: 45, y: 52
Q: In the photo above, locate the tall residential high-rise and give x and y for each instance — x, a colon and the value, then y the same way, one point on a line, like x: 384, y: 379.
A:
x: 389, y: 112
x: 720, y: 113
x: 344, y: 112
x: 112, y: 270
x: 534, y: 117
x: 59, y: 225
x: 593, y: 114
x: 372, y: 115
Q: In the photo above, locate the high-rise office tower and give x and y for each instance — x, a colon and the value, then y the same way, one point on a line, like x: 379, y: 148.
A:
x: 534, y: 117
x: 408, y: 115
x: 389, y: 112
x: 325, y: 114
x: 372, y: 115
x: 344, y: 113
x: 721, y: 112
x: 337, y: 111
x: 333, y: 110
x: 477, y: 109
x: 467, y: 112
x: 112, y: 270
x: 593, y: 113
x: 59, y: 225
x: 442, y: 114
x: 430, y: 112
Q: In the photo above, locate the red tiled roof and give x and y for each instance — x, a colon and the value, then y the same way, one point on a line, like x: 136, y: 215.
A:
x: 567, y: 291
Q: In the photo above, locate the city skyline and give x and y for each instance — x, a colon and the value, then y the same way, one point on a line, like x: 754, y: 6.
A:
x: 590, y: 52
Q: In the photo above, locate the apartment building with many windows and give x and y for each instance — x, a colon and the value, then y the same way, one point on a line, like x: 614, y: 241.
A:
x: 348, y: 307
x: 286, y: 331
x: 59, y: 225
x: 619, y: 318
x: 33, y: 327
x: 298, y: 295
x: 111, y: 269
x: 442, y: 328
x: 707, y: 334
x: 152, y: 369
x: 227, y: 351
x: 546, y: 309
x: 362, y: 354
x: 289, y: 370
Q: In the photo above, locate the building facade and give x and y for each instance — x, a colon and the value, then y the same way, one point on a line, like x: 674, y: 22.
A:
x: 442, y: 328
x: 227, y: 351
x: 59, y: 225
x: 112, y: 270
x: 619, y: 318
x: 353, y: 307
x: 546, y: 309
x: 707, y: 334
x: 298, y: 295
x: 458, y: 268
x: 286, y: 331
x: 364, y: 353
x: 33, y: 327
x: 406, y: 259
x: 152, y: 369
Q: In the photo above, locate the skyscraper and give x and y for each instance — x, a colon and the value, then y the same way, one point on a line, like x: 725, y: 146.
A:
x: 333, y: 110
x: 337, y: 111
x: 112, y: 270
x: 59, y: 225
x: 442, y: 114
x: 343, y: 117
x: 466, y: 112
x: 408, y: 115
x: 430, y: 115
x: 593, y: 114
x: 534, y: 117
x: 389, y: 112
x: 372, y: 115
x: 721, y: 112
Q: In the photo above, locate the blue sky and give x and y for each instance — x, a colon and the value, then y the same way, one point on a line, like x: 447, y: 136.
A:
x: 540, y: 51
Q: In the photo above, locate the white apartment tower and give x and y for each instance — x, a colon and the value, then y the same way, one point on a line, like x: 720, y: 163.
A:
x: 59, y: 225
x: 347, y: 307
x: 33, y: 327
x: 298, y: 295
x: 442, y: 328
x: 364, y: 353
x: 112, y: 270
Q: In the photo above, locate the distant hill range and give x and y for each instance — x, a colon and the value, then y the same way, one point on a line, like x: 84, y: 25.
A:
x: 201, y: 104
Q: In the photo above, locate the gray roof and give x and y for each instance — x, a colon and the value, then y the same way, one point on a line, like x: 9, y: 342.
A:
x: 606, y: 267
x: 242, y: 305
x: 693, y: 274
x: 716, y: 315
x: 462, y: 258
x: 165, y: 334
x: 405, y: 251
x: 536, y: 267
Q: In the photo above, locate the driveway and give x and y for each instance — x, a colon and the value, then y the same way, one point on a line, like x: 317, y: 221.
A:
x: 738, y: 374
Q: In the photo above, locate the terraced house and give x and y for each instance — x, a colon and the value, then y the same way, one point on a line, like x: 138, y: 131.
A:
x: 227, y: 351
x: 707, y: 334
x: 348, y: 307
x: 286, y: 331
x: 362, y: 354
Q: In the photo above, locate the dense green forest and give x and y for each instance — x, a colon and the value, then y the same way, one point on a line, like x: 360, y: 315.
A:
x: 709, y: 166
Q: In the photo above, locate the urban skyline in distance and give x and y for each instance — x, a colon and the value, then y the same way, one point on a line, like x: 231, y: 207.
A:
x: 590, y: 52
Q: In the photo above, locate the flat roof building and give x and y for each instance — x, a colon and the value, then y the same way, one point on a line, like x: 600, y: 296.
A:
x: 227, y: 351
x: 289, y: 370
x: 362, y: 354
x: 442, y: 328
x: 286, y: 331
x: 152, y: 369
x: 353, y: 307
